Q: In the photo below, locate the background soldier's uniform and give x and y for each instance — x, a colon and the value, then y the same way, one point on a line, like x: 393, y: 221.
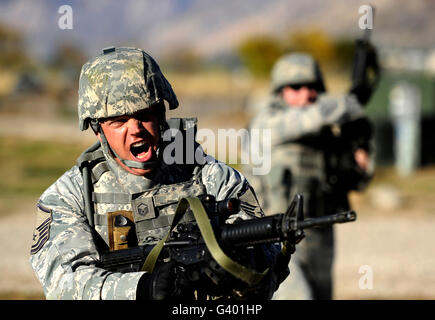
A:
x: 66, y: 249
x: 303, y: 141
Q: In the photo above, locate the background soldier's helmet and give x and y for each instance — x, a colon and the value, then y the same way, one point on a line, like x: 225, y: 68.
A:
x: 296, y: 69
x: 121, y: 81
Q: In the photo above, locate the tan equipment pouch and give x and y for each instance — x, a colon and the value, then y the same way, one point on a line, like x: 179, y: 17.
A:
x: 121, y: 230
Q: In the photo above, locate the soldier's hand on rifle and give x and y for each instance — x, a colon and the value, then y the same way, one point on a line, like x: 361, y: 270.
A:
x: 278, y: 270
x: 362, y: 159
x: 226, y: 284
x: 281, y: 265
x: 161, y: 284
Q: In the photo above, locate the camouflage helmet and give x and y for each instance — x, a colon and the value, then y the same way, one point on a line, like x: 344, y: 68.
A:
x: 121, y: 81
x: 296, y: 68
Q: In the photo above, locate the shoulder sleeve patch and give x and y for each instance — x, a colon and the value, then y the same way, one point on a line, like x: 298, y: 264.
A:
x: 41, y: 232
x: 249, y: 203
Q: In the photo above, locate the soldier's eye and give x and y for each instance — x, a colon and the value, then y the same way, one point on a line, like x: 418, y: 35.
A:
x: 144, y: 116
x: 296, y: 86
x: 117, y: 122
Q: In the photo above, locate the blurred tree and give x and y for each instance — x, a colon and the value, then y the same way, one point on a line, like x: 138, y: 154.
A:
x: 344, y: 52
x: 65, y: 64
x: 315, y: 42
x: 17, y: 70
x: 259, y: 53
x: 68, y: 59
x: 12, y: 51
x: 182, y: 60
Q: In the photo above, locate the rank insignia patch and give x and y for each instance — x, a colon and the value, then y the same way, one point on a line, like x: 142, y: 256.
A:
x: 42, y: 229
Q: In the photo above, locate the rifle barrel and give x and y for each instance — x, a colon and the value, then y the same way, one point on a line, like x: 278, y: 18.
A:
x: 347, y: 216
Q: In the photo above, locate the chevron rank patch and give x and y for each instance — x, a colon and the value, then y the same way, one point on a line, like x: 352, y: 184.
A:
x: 42, y: 228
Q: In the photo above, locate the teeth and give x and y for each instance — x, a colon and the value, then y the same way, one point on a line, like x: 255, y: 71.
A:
x: 138, y: 144
x: 140, y: 149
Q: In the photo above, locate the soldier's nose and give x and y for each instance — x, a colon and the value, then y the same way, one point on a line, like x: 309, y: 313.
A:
x: 135, y: 126
x: 304, y: 89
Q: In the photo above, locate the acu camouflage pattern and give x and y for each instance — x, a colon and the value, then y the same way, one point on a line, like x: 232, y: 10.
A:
x: 296, y: 167
x: 296, y: 68
x: 67, y: 264
x: 121, y: 81
x: 300, y: 168
x: 289, y: 124
x: 151, y: 201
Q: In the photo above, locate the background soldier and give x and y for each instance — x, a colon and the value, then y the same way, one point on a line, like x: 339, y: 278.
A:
x: 320, y: 149
x: 121, y: 97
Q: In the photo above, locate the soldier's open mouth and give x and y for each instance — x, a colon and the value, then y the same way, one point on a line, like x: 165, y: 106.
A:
x: 141, y: 151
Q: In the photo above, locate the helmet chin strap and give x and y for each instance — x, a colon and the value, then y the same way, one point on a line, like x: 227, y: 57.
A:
x: 128, y: 163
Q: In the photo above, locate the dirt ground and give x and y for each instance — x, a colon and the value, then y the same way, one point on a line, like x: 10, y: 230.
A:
x: 397, y: 251
x: 383, y: 255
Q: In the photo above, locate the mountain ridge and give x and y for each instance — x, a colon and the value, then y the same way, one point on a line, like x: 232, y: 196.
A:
x: 210, y: 27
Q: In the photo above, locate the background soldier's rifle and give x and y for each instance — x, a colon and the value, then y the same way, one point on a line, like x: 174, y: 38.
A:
x: 365, y: 69
x: 343, y: 173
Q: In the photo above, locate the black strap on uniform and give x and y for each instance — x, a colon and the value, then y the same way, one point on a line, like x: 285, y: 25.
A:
x: 85, y: 163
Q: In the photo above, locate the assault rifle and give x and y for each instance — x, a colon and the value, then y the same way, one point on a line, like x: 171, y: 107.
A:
x: 190, y: 247
x: 366, y: 69
x: 342, y: 172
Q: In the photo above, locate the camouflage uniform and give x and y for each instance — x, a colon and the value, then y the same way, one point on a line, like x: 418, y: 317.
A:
x: 299, y: 144
x: 66, y: 248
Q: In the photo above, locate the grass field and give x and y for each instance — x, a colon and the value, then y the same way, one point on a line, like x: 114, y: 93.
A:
x: 28, y: 167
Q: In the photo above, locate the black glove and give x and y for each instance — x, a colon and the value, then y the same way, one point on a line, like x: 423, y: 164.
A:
x: 220, y: 282
x: 277, y: 262
x: 281, y: 265
x: 258, y: 259
x: 161, y: 284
